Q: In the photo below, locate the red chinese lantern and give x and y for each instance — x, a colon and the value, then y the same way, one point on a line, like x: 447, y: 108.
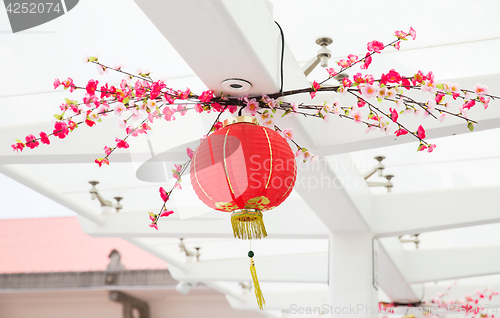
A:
x: 245, y: 169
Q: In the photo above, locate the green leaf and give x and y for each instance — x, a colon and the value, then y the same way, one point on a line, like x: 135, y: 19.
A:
x: 470, y: 126
x: 19, y: 141
x: 420, y: 147
x: 346, y: 112
x: 57, y: 116
x: 92, y: 59
x: 440, y: 86
x: 273, y: 110
x: 379, y: 99
x: 288, y: 111
x: 68, y: 101
x: 126, y: 100
x: 370, y: 115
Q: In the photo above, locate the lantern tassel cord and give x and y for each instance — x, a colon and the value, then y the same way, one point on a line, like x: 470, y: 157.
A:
x: 256, y: 286
x: 248, y: 225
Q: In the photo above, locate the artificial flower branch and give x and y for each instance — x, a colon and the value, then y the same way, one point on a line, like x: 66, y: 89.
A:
x: 145, y: 100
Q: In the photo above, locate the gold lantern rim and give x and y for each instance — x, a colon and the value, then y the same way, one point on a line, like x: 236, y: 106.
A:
x: 240, y: 119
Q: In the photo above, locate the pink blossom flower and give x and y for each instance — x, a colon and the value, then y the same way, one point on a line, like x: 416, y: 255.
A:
x: 252, y: 106
x: 421, y: 147
x: 288, y: 134
x: 102, y: 161
x: 344, y: 63
x: 326, y: 118
x: 152, y: 216
x: 89, y: 122
x: 413, y: 33
x: 397, y: 45
x: 217, y: 126
x: 232, y: 108
x: 107, y: 150
x: 316, y: 86
x: 166, y: 213
x: 68, y: 82
x: 60, y: 130
x: 121, y: 143
x: 190, y: 152
x: 375, y: 46
x: 178, y: 186
x: 169, y: 113
x: 429, y: 86
x: 44, y: 138
x: 393, y: 77
x: 331, y: 72
x: 154, y: 226
x: 400, y: 34
x: 468, y: 105
x: 163, y: 194
x: 442, y: 117
x: 357, y: 116
x: 382, y: 92
x: 485, y: 101
x: 406, y: 83
x: 313, y: 94
x: 118, y: 108
x: 91, y: 87
x: 369, y: 91
x: 184, y: 94
x: 31, y: 142
x: 361, y: 103
x: 122, y: 124
x: 57, y: 83
x: 18, y: 147
x: 439, y: 98
x: 394, y: 114
x: 421, y: 132
x: 353, y: 58
x: 369, y: 79
x: 368, y: 61
x: 480, y: 89
x: 346, y: 82
x: 431, y: 105
x: 400, y: 132
x: 206, y: 96
x: 358, y: 78
x: 295, y: 106
x: 299, y: 153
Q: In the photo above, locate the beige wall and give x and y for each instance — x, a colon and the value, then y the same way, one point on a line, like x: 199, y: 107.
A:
x: 200, y: 302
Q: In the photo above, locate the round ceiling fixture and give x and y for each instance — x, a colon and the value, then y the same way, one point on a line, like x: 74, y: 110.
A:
x: 235, y: 85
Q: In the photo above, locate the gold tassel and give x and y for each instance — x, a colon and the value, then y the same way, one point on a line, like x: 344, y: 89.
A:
x: 248, y: 224
x: 258, y: 292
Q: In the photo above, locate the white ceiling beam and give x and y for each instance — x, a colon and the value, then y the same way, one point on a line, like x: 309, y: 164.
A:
x: 239, y: 39
x: 397, y: 214
x: 451, y: 263
x: 286, y: 221
x: 390, y: 271
x: 339, y: 183
x: 50, y: 193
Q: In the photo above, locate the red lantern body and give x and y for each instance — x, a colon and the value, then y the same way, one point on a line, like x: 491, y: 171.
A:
x: 245, y: 169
